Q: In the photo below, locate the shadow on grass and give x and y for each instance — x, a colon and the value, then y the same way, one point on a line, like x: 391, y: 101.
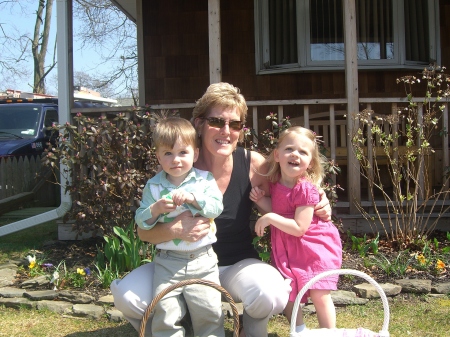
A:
x: 120, y: 331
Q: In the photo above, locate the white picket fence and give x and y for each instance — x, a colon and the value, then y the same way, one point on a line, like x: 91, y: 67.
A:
x: 18, y: 174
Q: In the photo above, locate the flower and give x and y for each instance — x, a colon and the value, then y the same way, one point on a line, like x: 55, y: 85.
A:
x: 87, y: 271
x: 55, y: 277
x: 421, y: 259
x: 440, y: 265
x: 81, y: 272
x: 31, y: 261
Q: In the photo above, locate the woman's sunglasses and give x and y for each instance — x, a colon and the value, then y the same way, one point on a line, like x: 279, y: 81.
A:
x: 216, y: 122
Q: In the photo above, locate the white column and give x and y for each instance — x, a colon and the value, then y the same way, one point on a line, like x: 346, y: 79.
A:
x: 64, y: 54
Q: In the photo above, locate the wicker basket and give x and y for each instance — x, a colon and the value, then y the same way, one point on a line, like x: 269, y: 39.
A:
x: 152, y: 305
x: 360, y: 332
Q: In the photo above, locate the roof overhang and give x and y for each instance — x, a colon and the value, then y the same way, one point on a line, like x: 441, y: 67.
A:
x: 128, y: 7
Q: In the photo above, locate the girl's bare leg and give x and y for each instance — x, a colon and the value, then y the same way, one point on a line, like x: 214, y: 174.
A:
x: 288, y: 313
x: 326, y: 312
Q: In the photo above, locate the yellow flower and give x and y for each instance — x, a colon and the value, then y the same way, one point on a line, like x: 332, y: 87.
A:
x: 421, y: 259
x: 31, y: 261
x: 440, y: 265
x: 81, y: 271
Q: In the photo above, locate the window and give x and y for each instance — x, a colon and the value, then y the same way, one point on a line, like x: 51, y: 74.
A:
x: 294, y: 35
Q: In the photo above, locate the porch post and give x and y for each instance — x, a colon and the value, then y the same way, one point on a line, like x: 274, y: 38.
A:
x: 140, y: 51
x: 64, y: 52
x: 215, y: 60
x: 351, y: 86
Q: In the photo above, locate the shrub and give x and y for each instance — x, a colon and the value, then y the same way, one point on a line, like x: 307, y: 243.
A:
x: 107, y: 162
x: 410, y: 203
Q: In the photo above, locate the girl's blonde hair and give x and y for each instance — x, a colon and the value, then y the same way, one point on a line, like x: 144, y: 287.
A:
x: 222, y: 95
x: 168, y: 130
x: 315, y: 173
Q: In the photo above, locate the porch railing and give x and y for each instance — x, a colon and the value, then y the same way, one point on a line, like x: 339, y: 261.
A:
x: 325, y: 120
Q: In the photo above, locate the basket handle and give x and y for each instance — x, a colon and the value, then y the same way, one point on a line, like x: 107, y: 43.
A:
x: 384, y: 329
x: 167, y: 290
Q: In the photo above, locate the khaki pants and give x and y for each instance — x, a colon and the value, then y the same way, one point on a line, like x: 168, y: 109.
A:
x: 203, y: 302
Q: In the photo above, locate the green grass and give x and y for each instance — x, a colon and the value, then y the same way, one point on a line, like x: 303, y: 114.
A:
x: 18, y: 244
x: 417, y: 316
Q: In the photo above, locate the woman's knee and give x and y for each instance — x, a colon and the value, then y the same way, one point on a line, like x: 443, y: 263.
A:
x: 259, y: 286
x: 133, y: 293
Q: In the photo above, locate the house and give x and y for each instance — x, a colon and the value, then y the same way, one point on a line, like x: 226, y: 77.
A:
x: 314, y: 61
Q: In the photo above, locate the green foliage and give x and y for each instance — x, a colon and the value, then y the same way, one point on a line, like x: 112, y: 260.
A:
x: 447, y: 249
x: 108, y: 162
x: 397, y: 266
x: 123, y: 251
x: 106, y: 275
x: 363, y: 245
x: 409, y: 203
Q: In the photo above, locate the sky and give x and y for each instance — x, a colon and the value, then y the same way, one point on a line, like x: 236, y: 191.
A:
x: 86, y: 60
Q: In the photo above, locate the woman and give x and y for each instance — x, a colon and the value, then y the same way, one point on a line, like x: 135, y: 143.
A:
x: 219, y: 117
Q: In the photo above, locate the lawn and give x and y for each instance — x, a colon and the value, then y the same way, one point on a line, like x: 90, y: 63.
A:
x: 420, y: 316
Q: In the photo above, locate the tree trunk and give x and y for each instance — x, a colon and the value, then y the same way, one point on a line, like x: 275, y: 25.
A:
x: 40, y: 44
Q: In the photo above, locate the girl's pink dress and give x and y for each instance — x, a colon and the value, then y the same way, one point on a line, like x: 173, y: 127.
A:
x: 301, y: 258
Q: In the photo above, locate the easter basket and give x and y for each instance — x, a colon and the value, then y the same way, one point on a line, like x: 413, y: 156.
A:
x: 337, y: 332
x: 167, y: 290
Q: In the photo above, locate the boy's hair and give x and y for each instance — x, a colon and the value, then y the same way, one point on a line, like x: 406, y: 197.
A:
x: 222, y: 95
x: 315, y: 174
x: 168, y: 130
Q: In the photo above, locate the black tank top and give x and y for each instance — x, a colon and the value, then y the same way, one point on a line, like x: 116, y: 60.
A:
x: 234, y: 237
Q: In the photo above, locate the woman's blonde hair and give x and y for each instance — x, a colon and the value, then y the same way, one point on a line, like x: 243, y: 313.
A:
x: 315, y: 173
x: 223, y: 95
x: 168, y: 130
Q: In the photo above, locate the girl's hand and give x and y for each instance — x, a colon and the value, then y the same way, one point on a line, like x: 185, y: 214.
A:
x: 162, y: 206
x: 180, y: 197
x: 256, y: 193
x: 261, y: 224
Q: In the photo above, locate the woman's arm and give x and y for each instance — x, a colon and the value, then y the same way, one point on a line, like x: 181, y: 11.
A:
x: 258, y: 167
x: 184, y: 227
x: 296, y: 227
x: 323, y: 208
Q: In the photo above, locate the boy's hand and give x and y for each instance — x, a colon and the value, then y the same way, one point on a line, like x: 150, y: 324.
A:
x: 256, y: 193
x: 180, y: 197
x: 162, y: 206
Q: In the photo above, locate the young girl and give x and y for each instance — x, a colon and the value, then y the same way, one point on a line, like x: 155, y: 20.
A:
x: 303, y: 245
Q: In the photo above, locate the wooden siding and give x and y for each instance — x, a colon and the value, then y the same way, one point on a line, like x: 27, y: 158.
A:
x: 177, y: 65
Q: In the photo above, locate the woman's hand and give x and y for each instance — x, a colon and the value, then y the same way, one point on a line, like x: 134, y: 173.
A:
x: 190, y: 228
x: 184, y: 227
x: 323, y: 207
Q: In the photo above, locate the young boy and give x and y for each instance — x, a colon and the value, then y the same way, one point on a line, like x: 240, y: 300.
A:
x: 180, y: 187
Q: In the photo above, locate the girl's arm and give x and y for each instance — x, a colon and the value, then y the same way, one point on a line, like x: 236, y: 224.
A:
x: 296, y: 227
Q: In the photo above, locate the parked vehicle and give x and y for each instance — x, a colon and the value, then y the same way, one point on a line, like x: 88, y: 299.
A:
x: 23, y: 124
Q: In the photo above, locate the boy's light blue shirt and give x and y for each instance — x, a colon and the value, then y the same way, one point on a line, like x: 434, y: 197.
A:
x: 206, y: 192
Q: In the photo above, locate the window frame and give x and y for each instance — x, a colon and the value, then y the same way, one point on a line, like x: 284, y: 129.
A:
x: 262, y: 48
